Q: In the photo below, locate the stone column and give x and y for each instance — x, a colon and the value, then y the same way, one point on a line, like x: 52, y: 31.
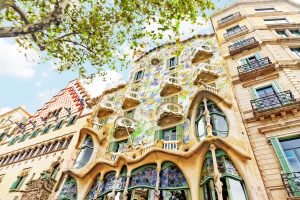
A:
x: 114, y: 187
x: 156, y: 192
x: 98, y: 187
x: 217, y: 174
x: 125, y: 193
x: 207, y: 119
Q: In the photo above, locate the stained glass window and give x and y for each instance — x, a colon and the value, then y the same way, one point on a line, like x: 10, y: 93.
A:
x: 85, y: 153
x: 171, y: 177
x: 121, y: 181
x: 143, y: 177
x: 69, y: 190
x: 91, y: 195
x: 233, y: 187
x: 108, y: 183
x: 217, y: 120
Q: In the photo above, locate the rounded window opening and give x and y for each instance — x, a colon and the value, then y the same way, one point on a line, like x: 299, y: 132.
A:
x: 154, y: 61
x: 210, y: 115
x: 86, y: 151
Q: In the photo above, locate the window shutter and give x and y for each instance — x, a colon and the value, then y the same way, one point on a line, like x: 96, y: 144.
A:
x: 257, y: 55
x: 158, y: 135
x: 176, y: 60
x: 112, y: 146
x: 179, y: 131
x: 244, y: 61
x: 168, y: 63
x: 280, y: 154
x: 21, y: 182
x: 253, y: 93
x: 15, y: 183
x: 276, y: 87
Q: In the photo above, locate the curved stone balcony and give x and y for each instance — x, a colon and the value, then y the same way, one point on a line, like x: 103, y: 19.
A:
x: 169, y: 113
x: 170, y: 85
x: 131, y: 99
x: 202, y: 53
x: 124, y: 126
x: 105, y: 109
x: 205, y: 73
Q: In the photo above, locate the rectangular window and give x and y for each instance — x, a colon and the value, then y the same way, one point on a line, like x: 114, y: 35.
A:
x: 296, y: 52
x: 121, y: 146
x: 276, y: 21
x: 227, y: 17
x: 172, y: 62
x: 170, y: 134
x: 281, y: 34
x: 46, y: 130
x: 59, y: 124
x: 233, y: 30
x: 296, y: 33
x: 265, y: 10
x: 130, y: 114
x: 138, y: 75
x: 172, y: 99
x: 265, y: 91
x: 291, y: 150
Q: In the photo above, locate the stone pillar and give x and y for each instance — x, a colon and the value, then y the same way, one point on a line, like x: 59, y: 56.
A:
x: 156, y: 192
x: 99, y: 186
x: 207, y: 119
x: 114, y: 187
x: 125, y: 193
x: 217, y: 174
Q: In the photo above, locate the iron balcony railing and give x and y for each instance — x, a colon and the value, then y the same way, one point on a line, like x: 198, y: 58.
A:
x: 229, y: 18
x: 235, y: 32
x: 273, y: 101
x: 242, y: 44
x: 254, y: 65
x: 291, y: 182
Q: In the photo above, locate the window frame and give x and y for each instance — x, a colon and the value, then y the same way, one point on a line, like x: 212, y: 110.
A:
x: 135, y: 77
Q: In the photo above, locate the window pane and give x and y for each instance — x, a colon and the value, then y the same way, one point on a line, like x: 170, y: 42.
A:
x: 293, y: 160
x: 237, y: 190
x: 219, y: 123
x: 201, y: 128
x: 290, y: 144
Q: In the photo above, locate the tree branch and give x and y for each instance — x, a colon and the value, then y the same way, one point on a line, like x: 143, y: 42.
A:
x: 3, y: 4
x: 78, y: 44
x: 26, y: 21
x: 55, y: 17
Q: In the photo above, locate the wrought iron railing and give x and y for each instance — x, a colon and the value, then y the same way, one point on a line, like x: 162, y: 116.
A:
x: 229, y: 18
x: 273, y: 101
x: 254, y: 65
x: 291, y: 182
x: 241, y: 44
x: 236, y: 31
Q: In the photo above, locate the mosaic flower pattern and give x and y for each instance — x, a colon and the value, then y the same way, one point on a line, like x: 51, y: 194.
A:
x: 172, y: 177
x: 145, y: 177
x: 69, y: 190
x: 93, y: 189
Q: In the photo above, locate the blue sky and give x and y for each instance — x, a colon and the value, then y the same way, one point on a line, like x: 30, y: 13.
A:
x: 29, y: 84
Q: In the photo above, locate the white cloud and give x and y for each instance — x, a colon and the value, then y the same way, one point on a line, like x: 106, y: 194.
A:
x: 38, y: 84
x: 13, y: 61
x: 100, y: 83
x: 5, y: 110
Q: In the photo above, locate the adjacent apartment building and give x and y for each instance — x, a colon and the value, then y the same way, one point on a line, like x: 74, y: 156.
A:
x: 260, y: 43
x: 34, y: 152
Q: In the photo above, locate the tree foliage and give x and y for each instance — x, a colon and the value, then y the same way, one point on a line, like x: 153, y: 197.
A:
x: 74, y: 32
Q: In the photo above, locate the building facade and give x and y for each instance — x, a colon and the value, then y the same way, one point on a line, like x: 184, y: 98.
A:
x: 172, y: 131
x: 33, y: 155
x: 260, y: 41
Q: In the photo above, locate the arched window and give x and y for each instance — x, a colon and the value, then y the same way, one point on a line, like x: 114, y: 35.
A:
x: 173, y: 184
x: 233, y: 186
x: 92, y: 193
x: 121, y: 181
x: 69, y: 190
x: 85, y: 153
x: 217, y: 120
